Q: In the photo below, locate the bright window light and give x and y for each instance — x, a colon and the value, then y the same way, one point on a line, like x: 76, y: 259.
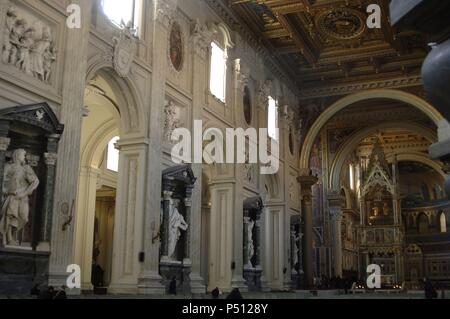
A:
x: 273, y: 118
x: 112, y: 159
x: 123, y: 10
x: 443, y: 222
x: 352, y: 178
x: 217, y: 84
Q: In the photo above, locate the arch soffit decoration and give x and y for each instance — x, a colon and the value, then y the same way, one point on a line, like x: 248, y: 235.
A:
x: 355, y: 139
x: 340, y: 105
x: 129, y: 101
x: 92, y: 153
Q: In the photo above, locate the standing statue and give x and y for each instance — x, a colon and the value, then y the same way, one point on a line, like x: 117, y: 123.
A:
x: 176, y: 222
x: 19, y: 183
x: 11, y: 18
x: 25, y: 46
x: 37, y: 55
x: 296, y: 250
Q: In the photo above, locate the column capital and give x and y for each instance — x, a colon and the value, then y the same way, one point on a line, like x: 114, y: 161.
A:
x: 4, y: 143
x: 265, y: 89
x: 336, y: 213
x: 188, y: 202
x: 201, y: 37
x: 335, y: 199
x: 306, y: 182
x: 167, y: 195
x: 50, y: 158
x: 165, y: 11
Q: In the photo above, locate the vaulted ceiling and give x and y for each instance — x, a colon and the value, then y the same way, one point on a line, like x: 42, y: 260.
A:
x: 321, y: 43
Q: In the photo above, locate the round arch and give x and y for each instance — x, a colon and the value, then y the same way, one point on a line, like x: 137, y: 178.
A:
x: 125, y: 91
x: 355, y: 139
x: 338, y: 106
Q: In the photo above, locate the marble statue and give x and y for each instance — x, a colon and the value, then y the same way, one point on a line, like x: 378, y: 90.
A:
x: 296, y: 250
x: 176, y: 223
x: 250, y: 244
x: 19, y: 183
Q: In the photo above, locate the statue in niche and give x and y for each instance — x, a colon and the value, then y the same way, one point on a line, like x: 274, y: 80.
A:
x: 19, y: 183
x: 172, y: 121
x: 250, y: 244
x: 296, y: 250
x: 176, y: 223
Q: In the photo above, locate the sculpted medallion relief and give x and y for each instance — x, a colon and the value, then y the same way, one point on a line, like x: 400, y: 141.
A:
x: 342, y: 24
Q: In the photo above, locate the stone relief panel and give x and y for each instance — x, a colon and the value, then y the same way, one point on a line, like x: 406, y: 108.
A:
x: 28, y: 44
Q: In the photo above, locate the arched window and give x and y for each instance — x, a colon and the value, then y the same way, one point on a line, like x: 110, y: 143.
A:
x: 272, y: 119
x: 123, y: 11
x: 218, y: 72
x: 443, y: 222
x: 112, y: 155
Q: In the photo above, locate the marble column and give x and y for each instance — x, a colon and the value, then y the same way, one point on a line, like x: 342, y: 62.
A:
x: 4, y: 144
x: 258, y: 242
x: 336, y: 218
x: 149, y: 279
x: 306, y: 184
x: 47, y: 209
x: 187, y: 246
x: 246, y: 260
x: 164, y: 235
x: 129, y: 240
x: 73, y: 85
x: 85, y: 221
x: 201, y: 40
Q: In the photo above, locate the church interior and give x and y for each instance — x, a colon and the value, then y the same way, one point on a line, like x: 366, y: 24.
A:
x: 93, y: 95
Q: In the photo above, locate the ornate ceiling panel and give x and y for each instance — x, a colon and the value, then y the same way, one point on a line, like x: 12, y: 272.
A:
x: 325, y: 43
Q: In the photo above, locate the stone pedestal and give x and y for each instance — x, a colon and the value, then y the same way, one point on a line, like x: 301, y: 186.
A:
x: 253, y: 279
x: 179, y: 271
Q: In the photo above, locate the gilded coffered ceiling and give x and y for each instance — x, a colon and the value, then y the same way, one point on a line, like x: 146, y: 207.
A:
x: 324, y: 43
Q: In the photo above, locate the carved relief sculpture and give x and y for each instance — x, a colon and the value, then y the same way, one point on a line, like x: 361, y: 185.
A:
x: 171, y: 121
x: 176, y: 223
x: 32, y: 52
x: 19, y: 183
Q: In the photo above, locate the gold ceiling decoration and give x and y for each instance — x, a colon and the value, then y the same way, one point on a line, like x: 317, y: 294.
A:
x: 342, y: 24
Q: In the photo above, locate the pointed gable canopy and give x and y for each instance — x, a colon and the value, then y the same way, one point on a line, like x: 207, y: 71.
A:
x: 378, y: 171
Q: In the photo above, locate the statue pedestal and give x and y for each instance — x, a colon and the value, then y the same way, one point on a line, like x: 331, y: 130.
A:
x: 21, y: 270
x: 178, y: 270
x: 252, y: 277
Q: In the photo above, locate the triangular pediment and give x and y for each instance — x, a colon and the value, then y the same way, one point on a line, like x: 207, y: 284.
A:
x: 39, y: 115
x: 180, y: 173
